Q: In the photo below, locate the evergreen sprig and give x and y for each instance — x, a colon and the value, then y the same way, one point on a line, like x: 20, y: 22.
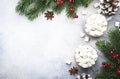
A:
x: 106, y: 46
x: 32, y: 8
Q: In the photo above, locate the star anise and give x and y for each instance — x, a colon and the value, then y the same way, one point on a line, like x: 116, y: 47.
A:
x: 73, y: 71
x: 49, y: 15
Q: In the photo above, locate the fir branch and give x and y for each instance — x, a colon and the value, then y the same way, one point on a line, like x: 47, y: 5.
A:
x: 32, y: 8
x: 113, y: 43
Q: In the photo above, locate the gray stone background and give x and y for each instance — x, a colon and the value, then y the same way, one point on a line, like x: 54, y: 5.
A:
x: 39, y: 49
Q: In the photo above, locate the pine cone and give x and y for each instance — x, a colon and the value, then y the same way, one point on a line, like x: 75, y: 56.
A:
x: 109, y: 7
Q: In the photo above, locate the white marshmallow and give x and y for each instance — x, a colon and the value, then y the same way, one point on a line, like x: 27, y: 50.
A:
x: 82, y: 35
x: 117, y: 24
x: 68, y: 61
x: 87, y: 56
x: 96, y: 25
x: 87, y: 39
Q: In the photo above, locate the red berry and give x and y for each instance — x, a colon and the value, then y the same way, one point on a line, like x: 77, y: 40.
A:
x: 118, y: 71
x: 70, y: 1
x: 111, y: 52
x: 116, y: 56
x: 61, y: 2
x: 72, y: 9
x: 108, y: 64
x: 58, y: 3
x: 104, y: 66
x: 75, y: 16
